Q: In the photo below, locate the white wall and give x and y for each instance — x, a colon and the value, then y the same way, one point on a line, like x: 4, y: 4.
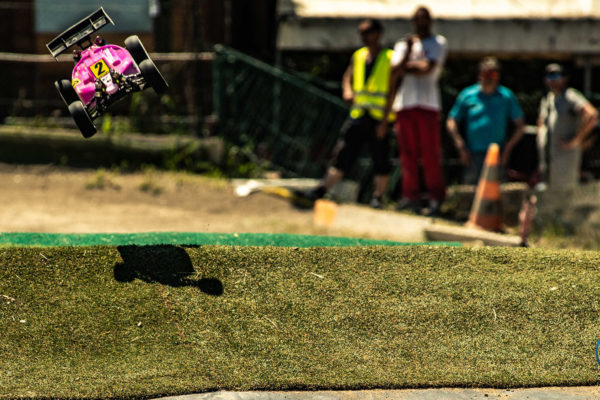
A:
x: 527, y: 37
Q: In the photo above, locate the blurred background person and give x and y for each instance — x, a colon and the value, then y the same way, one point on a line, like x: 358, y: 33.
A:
x: 566, y: 118
x: 365, y: 87
x: 485, y: 110
x: 415, y: 97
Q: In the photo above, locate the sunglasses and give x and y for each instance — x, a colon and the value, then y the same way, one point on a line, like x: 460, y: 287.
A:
x: 491, y: 74
x: 554, y: 76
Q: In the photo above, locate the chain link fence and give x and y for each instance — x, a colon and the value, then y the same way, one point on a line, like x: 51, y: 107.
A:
x: 282, y: 118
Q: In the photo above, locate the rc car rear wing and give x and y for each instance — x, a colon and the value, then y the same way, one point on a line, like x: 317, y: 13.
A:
x: 79, y: 33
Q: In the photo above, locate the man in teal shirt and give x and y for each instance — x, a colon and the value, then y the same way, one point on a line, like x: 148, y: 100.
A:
x: 486, y: 108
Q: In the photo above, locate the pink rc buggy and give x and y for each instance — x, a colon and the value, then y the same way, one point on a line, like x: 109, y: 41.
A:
x: 103, y: 73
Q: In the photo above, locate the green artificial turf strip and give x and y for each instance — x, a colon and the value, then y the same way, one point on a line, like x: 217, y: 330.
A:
x: 100, y: 322
x: 193, y: 238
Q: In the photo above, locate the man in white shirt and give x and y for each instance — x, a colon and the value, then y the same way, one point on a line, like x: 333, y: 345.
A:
x: 417, y: 64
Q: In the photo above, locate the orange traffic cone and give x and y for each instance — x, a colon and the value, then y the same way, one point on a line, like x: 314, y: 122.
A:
x: 486, y: 212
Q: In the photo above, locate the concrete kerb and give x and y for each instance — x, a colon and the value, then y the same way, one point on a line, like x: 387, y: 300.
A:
x: 394, y: 225
x: 550, y: 393
x: 470, y: 235
x: 410, y: 228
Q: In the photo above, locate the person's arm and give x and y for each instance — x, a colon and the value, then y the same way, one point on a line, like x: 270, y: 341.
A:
x: 401, y: 54
x: 541, y: 133
x: 395, y: 80
x: 459, y: 143
x: 541, y: 139
x: 515, y: 114
x: 420, y: 68
x: 514, y: 139
x: 347, y: 91
x: 540, y: 124
x: 589, y: 119
x: 435, y: 56
x: 409, y: 40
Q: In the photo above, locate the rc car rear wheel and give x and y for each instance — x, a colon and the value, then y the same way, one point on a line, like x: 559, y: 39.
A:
x: 82, y: 119
x: 153, y: 76
x: 138, y: 52
x: 66, y: 91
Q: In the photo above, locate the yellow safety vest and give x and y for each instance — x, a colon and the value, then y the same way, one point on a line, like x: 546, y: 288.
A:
x: 371, y: 95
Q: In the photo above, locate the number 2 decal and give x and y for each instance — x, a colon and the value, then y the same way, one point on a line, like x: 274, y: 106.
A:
x: 99, y: 69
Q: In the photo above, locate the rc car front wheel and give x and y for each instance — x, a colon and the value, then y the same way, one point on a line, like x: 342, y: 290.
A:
x: 153, y: 76
x: 82, y: 119
x: 66, y: 91
x: 138, y: 52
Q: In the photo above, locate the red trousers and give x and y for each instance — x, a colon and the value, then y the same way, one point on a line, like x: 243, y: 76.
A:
x: 418, y: 134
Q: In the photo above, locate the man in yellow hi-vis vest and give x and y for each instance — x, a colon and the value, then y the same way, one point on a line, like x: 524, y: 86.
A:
x: 365, y: 86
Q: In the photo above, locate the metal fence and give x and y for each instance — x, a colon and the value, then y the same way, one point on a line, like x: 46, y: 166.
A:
x: 281, y: 117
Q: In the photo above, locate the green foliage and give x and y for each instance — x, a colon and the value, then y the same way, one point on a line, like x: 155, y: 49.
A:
x: 242, y: 162
x: 114, y: 126
x: 145, y: 109
x: 558, y: 235
x: 102, y: 180
x: 149, y: 183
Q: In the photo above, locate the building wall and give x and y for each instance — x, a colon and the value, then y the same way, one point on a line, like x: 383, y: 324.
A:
x: 505, y: 36
x: 15, y: 29
x: 128, y: 16
x: 17, y: 37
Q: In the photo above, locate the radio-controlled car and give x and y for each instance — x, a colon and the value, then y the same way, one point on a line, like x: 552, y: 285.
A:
x: 103, y: 73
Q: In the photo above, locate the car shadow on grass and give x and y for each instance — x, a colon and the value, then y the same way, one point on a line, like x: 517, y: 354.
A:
x: 165, y: 264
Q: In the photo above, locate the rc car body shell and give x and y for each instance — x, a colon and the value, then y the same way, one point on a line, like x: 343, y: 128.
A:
x: 96, y: 63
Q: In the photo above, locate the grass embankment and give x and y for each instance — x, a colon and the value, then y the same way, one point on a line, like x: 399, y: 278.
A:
x: 149, y: 321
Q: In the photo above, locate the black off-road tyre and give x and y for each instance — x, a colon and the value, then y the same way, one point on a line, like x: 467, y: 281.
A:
x: 82, y: 119
x: 66, y: 91
x: 153, y: 76
x: 138, y: 52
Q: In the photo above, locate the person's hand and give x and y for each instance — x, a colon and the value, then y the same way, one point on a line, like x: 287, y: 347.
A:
x: 465, y: 156
x: 572, y: 144
x: 409, y: 41
x: 348, y: 96
x: 382, y: 130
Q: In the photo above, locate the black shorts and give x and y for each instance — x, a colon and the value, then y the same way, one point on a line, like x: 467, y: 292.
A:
x: 354, y: 136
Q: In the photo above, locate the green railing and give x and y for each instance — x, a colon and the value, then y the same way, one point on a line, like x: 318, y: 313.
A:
x: 285, y: 120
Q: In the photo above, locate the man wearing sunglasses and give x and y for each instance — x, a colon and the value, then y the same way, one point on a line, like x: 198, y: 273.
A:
x: 565, y: 120
x: 485, y: 110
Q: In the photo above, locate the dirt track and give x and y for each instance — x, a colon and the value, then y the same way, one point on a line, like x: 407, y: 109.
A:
x: 61, y: 200
x: 51, y: 199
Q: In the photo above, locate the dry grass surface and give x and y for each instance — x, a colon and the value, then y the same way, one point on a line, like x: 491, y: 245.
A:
x: 135, y: 322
